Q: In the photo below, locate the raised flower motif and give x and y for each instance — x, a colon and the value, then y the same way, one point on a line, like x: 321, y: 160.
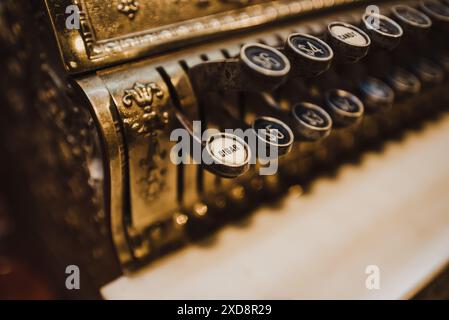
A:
x: 128, y: 7
x: 144, y: 96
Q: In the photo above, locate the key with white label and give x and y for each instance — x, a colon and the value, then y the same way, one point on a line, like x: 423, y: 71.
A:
x: 226, y: 155
x: 223, y: 154
x: 350, y: 44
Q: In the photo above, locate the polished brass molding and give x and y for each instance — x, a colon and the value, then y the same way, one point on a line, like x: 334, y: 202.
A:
x: 115, y: 158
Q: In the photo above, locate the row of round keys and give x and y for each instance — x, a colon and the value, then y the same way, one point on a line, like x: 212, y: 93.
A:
x: 229, y: 155
x: 263, y: 68
x: 311, y: 122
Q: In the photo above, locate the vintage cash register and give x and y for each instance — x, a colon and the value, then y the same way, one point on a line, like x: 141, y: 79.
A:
x: 352, y: 95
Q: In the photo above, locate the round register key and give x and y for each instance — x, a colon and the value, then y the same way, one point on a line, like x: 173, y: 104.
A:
x: 264, y: 63
x: 403, y: 82
x: 311, y: 55
x: 412, y: 21
x: 383, y: 31
x: 227, y: 155
x: 348, y: 42
x: 313, y: 122
x: 345, y: 108
x: 376, y: 95
x: 272, y: 132
x: 437, y: 11
x: 257, y: 68
x: 428, y: 72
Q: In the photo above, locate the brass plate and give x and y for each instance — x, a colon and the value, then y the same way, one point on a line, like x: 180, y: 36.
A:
x: 118, y: 30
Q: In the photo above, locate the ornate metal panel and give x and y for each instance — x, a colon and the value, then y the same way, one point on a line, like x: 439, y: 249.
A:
x: 117, y: 30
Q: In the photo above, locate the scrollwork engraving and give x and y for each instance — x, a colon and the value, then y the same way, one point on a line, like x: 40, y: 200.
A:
x: 148, y: 124
x: 128, y: 8
x: 144, y: 96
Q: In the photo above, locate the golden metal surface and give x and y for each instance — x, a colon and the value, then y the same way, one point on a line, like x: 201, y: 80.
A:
x: 187, y: 100
x: 118, y: 30
x: 147, y: 123
x: 103, y: 109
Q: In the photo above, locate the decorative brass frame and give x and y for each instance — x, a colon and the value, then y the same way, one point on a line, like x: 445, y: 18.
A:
x: 115, y: 158
x: 81, y: 51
